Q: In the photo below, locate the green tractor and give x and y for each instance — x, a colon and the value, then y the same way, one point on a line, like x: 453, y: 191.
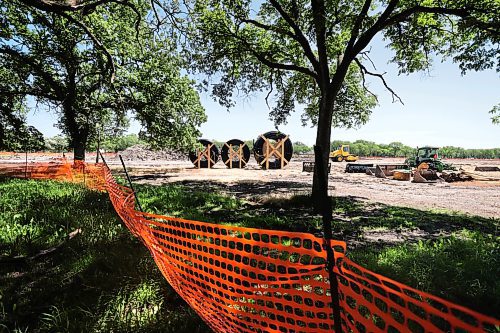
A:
x: 428, y: 155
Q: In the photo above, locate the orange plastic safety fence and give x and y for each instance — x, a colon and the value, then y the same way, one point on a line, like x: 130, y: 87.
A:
x: 374, y: 303
x: 59, y: 169
x: 252, y: 280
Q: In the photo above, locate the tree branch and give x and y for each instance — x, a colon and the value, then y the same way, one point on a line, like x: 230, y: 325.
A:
x: 358, y: 23
x: 269, y: 28
x: 34, y: 93
x: 367, y: 36
x: 299, y: 36
x: 272, y: 64
x: 405, y: 14
x: 386, y: 20
x: 364, y: 71
x: 269, y: 92
x: 319, y: 20
x: 110, y: 62
x: 70, y: 5
x: 37, y: 67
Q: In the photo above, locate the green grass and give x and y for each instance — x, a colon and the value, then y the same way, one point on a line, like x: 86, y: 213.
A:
x: 102, y: 280
x: 463, y: 268
x: 458, y: 258
x: 209, y: 205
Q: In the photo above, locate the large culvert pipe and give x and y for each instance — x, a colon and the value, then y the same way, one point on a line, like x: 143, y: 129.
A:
x: 235, y: 154
x: 207, y: 157
x: 273, y: 150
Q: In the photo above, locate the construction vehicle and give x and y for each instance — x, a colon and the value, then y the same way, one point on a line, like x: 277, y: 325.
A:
x: 343, y: 154
x: 428, y: 158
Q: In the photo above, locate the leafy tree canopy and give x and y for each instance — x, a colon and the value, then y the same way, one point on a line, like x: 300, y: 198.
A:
x: 299, y: 49
x: 65, y: 61
x: 495, y: 114
x: 24, y: 138
x: 57, y: 144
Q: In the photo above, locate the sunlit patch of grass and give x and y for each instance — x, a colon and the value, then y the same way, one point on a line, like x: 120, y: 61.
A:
x: 130, y: 310
x: 175, y: 200
x: 463, y: 268
x: 287, y: 201
x: 40, y: 214
x: 55, y: 320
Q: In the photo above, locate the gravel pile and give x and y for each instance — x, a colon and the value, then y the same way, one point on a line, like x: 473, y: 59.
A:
x: 143, y: 153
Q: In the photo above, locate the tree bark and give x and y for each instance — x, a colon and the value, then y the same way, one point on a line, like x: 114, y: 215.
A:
x: 320, y: 181
x: 78, y: 134
x: 79, y: 146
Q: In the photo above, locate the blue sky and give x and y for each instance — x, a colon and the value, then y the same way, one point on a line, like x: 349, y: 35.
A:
x: 441, y: 108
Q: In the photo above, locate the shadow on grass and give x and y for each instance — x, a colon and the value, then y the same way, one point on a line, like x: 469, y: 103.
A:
x: 263, y: 205
x: 451, y: 255
x: 102, y: 280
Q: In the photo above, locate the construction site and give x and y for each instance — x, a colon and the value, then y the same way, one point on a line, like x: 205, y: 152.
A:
x: 471, y: 186
x: 237, y: 240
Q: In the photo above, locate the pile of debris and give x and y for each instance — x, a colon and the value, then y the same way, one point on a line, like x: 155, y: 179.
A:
x: 426, y: 175
x: 451, y: 177
x: 426, y: 167
x: 144, y: 153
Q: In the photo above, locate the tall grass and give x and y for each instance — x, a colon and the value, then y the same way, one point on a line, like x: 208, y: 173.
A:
x: 102, y: 280
x: 463, y: 268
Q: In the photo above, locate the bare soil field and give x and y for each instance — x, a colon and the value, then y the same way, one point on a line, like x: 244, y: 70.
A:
x: 480, y: 198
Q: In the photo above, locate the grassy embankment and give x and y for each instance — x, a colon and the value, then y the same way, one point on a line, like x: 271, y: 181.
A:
x: 103, y: 280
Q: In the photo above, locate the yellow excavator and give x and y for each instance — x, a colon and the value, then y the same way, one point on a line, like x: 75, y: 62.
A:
x: 343, y: 154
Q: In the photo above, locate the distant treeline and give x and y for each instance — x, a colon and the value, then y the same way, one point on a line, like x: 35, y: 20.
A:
x: 397, y: 149
x: 34, y: 141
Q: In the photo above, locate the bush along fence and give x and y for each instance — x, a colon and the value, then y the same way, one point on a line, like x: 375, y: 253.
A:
x: 252, y: 280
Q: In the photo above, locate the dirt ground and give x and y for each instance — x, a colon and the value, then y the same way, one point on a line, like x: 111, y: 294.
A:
x: 474, y: 197
x: 480, y: 198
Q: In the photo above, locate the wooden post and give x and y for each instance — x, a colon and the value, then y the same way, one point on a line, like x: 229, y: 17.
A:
x: 282, y: 159
x: 240, y: 154
x: 267, y: 153
x: 98, y: 146
x: 231, y: 153
x: 199, y: 158
x: 130, y: 183
x: 209, y: 156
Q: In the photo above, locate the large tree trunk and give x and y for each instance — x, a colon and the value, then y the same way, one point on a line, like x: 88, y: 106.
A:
x: 322, y: 201
x: 322, y: 152
x: 78, y: 134
x: 79, y: 145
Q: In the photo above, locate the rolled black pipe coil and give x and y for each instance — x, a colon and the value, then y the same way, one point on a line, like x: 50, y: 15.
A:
x: 224, y: 153
x: 258, y: 149
x: 214, y: 153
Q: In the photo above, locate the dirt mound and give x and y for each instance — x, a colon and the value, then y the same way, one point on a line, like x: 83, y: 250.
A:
x: 144, y: 153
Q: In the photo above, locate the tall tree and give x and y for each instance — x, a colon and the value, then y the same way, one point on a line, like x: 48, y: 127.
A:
x: 66, y: 61
x: 317, y: 53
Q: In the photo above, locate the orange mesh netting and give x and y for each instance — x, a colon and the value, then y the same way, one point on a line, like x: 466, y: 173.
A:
x: 252, y: 280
